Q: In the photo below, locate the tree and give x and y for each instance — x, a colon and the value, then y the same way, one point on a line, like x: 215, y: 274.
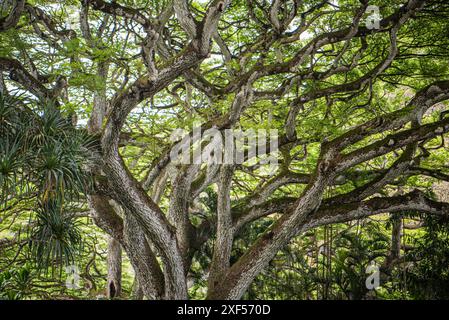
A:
x: 360, y: 109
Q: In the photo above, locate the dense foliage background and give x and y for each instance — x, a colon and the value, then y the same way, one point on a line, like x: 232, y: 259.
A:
x: 65, y: 64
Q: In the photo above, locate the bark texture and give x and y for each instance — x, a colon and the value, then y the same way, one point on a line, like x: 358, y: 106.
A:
x: 154, y: 213
x: 114, y: 280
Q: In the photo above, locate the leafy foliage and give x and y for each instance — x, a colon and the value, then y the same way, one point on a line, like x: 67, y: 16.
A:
x: 56, y: 67
x: 42, y: 159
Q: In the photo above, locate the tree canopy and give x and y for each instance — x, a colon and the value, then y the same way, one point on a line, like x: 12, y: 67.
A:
x: 94, y: 95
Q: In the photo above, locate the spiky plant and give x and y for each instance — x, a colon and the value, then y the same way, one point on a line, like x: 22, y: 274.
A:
x: 56, y: 237
x: 41, y: 151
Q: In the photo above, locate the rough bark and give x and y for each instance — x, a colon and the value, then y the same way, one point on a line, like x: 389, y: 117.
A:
x: 160, y: 244
x: 114, y: 262
x: 129, y: 234
x: 9, y: 21
x: 225, y: 231
x: 148, y: 272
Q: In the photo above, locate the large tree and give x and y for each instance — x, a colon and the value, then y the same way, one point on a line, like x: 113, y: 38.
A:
x: 360, y: 107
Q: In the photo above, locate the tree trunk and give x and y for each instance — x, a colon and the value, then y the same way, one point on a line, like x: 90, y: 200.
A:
x: 224, y: 238
x: 144, y: 262
x: 137, y: 293
x: 396, y: 239
x: 114, y: 284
